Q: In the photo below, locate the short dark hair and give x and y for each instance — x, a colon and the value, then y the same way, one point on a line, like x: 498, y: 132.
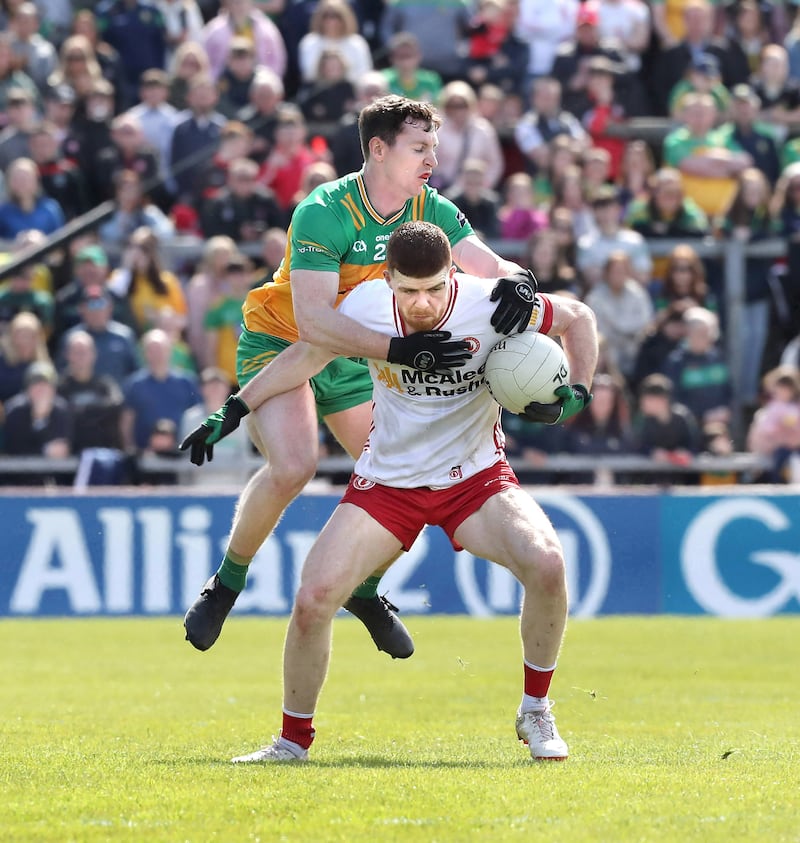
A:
x: 385, y: 117
x: 418, y: 249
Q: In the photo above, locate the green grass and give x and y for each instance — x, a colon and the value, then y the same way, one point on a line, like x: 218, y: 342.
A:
x: 679, y: 730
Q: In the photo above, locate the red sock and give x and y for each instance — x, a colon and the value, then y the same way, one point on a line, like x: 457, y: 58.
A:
x: 537, y: 680
x: 298, y: 729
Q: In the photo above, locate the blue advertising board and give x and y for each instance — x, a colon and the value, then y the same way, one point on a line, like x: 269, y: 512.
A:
x: 142, y: 554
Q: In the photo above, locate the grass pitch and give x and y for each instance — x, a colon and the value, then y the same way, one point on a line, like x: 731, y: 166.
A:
x: 679, y: 730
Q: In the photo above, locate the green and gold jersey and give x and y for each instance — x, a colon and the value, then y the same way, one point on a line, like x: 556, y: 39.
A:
x: 336, y: 229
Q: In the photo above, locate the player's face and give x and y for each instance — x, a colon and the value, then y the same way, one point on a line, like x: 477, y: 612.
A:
x: 410, y: 162
x: 421, y: 301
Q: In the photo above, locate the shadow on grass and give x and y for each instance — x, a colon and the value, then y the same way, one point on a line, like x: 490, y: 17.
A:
x: 355, y: 761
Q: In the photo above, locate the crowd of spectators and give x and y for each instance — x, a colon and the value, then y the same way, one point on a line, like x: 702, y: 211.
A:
x: 211, y: 120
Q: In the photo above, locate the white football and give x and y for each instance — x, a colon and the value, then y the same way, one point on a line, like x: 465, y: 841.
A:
x: 526, y: 367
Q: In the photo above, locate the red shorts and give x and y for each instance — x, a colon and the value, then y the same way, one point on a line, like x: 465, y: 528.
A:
x: 404, y: 512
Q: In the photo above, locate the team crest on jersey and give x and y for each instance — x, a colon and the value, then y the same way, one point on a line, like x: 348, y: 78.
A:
x: 473, y: 344
x: 359, y: 246
x: 455, y: 473
x: 362, y: 484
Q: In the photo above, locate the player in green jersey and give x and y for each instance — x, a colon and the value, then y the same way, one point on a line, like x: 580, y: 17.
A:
x: 337, y: 239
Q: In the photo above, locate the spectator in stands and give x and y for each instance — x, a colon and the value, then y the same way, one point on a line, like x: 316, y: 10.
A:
x: 132, y: 210
x: 571, y: 65
x: 405, y: 76
x: 129, y: 150
x: 59, y: 110
x: 22, y: 342
x: 702, y: 76
x: 56, y: 22
x: 439, y: 26
x: 684, y: 281
x: 26, y: 206
x: 91, y: 138
x: 595, y: 248
x: 95, y: 401
x: 260, y: 114
x: 778, y: 92
x: 569, y: 192
x: 749, y: 28
x: 671, y: 63
x: 664, y: 334
x: 196, y: 136
x: 666, y: 212
x: 273, y: 251
x: 623, y: 309
x: 235, y: 142
x: 664, y: 429
x: 602, y: 112
x: 320, y: 172
x: 345, y: 145
x: 22, y: 117
x: 183, y: 21
x: 17, y: 295
x: 519, y: 216
x: 38, y: 421
x: 91, y: 271
x: 331, y: 94
x: 239, y: 17
x: 244, y: 209
x: 237, y: 76
x: 154, y: 392
x: 743, y: 134
x: 108, y: 59
x: 60, y: 178
x: 792, y: 44
x: 155, y: 115
x: 786, y: 214
x: 223, y: 320
x: 698, y: 369
x: 190, y: 60
x: 36, y: 55
x: 114, y: 342
x: 626, y: 22
x: 606, y: 428
x: 775, y: 429
x: 78, y: 69
x: 545, y: 26
x: 562, y: 224
x: 748, y: 219
x: 143, y: 280
x: 173, y: 324
x: 215, y: 387
x: 543, y: 257
x: 136, y: 30
x: 333, y: 25
x: 496, y: 54
x: 207, y: 284
x: 636, y: 168
x: 464, y: 134
x: 479, y: 203
x: 290, y: 156
x: 11, y: 79
x: 545, y: 121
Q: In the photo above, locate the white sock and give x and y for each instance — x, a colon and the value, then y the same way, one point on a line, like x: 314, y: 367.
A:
x: 530, y: 703
x: 293, y: 747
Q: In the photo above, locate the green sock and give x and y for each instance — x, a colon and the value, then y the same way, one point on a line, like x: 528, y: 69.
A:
x: 368, y: 588
x: 233, y: 571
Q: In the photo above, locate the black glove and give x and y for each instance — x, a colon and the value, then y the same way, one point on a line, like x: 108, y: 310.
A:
x: 572, y: 399
x: 429, y: 351
x: 516, y: 295
x: 217, y: 426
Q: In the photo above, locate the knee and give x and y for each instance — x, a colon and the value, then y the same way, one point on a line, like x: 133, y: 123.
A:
x: 315, y: 606
x: 287, y: 478
x: 547, y: 572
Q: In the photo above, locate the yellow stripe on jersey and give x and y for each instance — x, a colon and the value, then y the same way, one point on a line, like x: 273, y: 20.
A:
x: 371, y: 211
x: 358, y: 218
x: 418, y: 207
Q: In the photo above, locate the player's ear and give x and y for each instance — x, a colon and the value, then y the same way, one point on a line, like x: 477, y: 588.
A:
x: 387, y: 278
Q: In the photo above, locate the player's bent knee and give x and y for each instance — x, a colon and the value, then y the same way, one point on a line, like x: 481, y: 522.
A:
x: 315, y: 605
x: 546, y: 572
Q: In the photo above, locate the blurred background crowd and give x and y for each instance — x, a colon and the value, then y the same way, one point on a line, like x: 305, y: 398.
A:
x: 576, y: 136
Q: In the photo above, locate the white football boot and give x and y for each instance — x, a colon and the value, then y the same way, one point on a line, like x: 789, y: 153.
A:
x: 278, y: 750
x: 538, y: 730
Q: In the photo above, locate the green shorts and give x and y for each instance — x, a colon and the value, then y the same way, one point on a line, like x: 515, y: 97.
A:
x: 342, y: 384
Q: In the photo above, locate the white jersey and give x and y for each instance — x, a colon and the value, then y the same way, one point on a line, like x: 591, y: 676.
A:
x: 428, y: 429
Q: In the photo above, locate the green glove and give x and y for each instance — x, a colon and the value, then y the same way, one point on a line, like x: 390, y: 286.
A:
x: 571, y: 400
x: 217, y: 426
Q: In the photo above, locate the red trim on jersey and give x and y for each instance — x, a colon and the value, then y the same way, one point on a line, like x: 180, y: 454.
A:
x: 451, y: 303
x: 404, y: 512
x: 400, y: 325
x: 547, y: 316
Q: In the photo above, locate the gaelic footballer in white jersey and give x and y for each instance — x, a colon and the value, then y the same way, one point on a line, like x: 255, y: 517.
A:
x: 434, y: 430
